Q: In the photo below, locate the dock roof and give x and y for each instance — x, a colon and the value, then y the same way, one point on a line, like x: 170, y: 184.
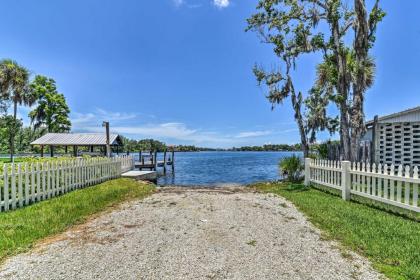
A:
x: 77, y: 139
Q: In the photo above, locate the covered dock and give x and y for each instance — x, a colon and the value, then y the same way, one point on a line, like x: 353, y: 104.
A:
x: 76, y: 140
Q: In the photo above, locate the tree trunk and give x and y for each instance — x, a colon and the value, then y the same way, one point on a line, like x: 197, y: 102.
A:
x: 344, y: 131
x: 13, y: 132
x: 361, y: 47
x: 297, y: 106
x: 342, y: 90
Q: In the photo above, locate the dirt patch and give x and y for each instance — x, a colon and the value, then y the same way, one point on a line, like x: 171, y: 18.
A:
x: 193, y: 233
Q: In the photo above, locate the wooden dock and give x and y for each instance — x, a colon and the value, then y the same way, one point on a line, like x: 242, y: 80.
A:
x: 149, y: 161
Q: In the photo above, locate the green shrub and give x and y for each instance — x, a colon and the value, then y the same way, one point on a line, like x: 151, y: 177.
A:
x: 323, y: 150
x: 291, y: 168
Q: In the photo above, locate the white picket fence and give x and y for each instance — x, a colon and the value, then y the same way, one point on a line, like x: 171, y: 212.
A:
x: 394, y: 185
x: 127, y: 163
x: 27, y: 183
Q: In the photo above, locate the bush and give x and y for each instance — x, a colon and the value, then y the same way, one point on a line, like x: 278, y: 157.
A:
x: 323, y: 150
x: 291, y: 168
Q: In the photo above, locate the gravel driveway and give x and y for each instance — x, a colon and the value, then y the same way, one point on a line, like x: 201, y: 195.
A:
x: 193, y: 234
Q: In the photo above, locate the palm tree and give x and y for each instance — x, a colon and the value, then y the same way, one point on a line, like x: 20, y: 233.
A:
x: 14, y: 86
x: 327, y: 80
x: 327, y: 75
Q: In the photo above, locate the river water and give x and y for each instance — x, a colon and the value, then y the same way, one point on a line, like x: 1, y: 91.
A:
x: 220, y: 168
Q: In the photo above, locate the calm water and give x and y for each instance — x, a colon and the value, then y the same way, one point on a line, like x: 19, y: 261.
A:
x: 216, y: 168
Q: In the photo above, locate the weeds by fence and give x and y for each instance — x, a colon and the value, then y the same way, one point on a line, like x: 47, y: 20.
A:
x: 394, y: 185
x: 27, y: 183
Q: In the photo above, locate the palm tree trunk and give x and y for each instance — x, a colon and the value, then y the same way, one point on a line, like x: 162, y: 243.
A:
x: 13, y: 132
x: 345, y: 132
x: 343, y: 91
x: 361, y: 46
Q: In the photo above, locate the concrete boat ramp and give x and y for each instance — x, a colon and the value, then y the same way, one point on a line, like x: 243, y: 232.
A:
x: 141, y: 175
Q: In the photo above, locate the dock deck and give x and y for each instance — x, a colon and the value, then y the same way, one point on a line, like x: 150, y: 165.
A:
x: 149, y: 161
x: 149, y: 164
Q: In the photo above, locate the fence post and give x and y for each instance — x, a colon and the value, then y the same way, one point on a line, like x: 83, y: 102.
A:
x: 307, y: 171
x: 345, y: 180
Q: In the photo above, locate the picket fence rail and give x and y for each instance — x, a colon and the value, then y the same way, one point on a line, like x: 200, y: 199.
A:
x: 22, y: 184
x: 393, y: 185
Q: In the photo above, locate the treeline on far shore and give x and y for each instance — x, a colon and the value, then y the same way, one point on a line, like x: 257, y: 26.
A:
x: 269, y: 148
x: 155, y: 145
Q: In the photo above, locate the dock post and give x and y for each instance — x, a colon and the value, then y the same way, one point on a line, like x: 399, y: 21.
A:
x: 173, y: 160
x: 164, y: 162
x: 155, y: 160
x: 139, y: 156
x: 151, y: 160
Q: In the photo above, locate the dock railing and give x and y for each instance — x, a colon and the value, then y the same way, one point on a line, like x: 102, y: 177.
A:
x: 23, y: 184
x: 393, y: 185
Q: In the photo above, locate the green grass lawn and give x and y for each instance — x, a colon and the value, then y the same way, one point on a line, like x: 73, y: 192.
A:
x: 391, y: 242
x: 20, y: 229
x: 33, y: 159
x: 7, y: 160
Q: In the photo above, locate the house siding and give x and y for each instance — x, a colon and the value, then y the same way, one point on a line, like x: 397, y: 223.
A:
x: 398, y: 142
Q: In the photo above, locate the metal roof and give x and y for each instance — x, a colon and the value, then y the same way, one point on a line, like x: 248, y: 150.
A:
x: 77, y: 139
x: 409, y: 115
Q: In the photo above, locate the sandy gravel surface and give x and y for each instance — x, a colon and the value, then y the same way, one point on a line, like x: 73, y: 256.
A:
x: 192, y: 234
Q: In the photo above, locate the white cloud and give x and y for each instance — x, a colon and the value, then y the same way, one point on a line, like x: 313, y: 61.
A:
x: 100, y: 115
x: 178, y: 3
x: 173, y: 131
x: 188, y: 4
x: 198, y: 4
x: 288, y: 130
x: 140, y: 126
x: 221, y: 3
x: 164, y: 130
x: 194, y: 6
x: 248, y: 134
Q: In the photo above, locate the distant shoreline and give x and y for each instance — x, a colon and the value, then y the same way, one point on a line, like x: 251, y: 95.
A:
x: 238, y: 151
x: 216, y: 151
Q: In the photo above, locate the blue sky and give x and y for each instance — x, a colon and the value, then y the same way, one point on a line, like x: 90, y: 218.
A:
x: 180, y: 70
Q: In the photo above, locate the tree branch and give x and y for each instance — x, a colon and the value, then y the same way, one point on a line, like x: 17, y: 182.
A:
x: 319, y: 3
x: 373, y: 20
x: 346, y: 26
